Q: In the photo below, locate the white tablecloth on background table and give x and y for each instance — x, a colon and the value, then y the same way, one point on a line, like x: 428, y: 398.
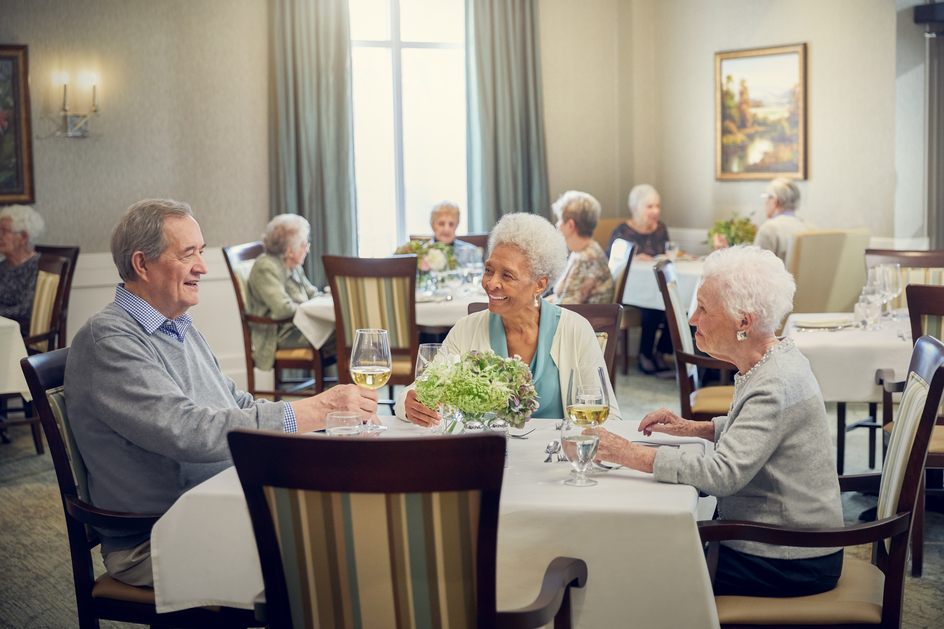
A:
x: 638, y: 537
x: 315, y: 317
x: 12, y: 350
x: 845, y: 361
x: 642, y: 290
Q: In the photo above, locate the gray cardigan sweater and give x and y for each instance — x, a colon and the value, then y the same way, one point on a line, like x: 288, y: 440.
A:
x: 150, y: 415
x: 773, y: 460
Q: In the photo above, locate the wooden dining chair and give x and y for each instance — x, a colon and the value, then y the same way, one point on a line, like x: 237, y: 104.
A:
x: 620, y: 261
x: 699, y: 403
x: 479, y: 239
x: 239, y: 260
x: 869, y: 594
x: 416, y: 538
x: 72, y: 254
x: 375, y: 293
x: 104, y: 598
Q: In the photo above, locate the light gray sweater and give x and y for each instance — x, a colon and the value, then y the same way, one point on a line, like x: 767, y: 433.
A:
x: 773, y: 460
x: 150, y: 415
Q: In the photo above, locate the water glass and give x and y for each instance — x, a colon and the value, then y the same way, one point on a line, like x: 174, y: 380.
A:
x: 343, y: 424
x: 671, y: 249
x: 894, y: 284
x: 870, y: 307
x: 580, y: 445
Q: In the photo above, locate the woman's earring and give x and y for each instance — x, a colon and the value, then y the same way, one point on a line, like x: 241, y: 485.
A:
x: 741, y: 335
x: 537, y: 302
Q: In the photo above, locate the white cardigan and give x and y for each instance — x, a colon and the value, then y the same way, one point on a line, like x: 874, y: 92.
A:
x: 575, y: 346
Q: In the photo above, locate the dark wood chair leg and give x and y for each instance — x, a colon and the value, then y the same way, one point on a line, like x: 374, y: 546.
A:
x: 624, y: 335
x: 840, y: 436
x: 277, y: 374
x: 564, y: 618
x: 917, y: 531
x: 318, y: 374
x: 873, y: 415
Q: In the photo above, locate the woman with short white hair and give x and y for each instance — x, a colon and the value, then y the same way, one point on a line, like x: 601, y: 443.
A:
x: 781, y: 201
x: 772, y: 460
x: 587, y: 279
x: 526, y: 255
x: 20, y: 226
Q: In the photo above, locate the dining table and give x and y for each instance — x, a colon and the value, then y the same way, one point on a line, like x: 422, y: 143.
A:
x: 642, y: 290
x: 12, y: 350
x: 315, y: 317
x: 639, y: 537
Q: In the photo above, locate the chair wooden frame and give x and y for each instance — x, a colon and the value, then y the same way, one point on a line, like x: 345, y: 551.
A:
x: 688, y: 383
x: 928, y: 361
x: 72, y: 254
x: 479, y: 239
x: 630, y: 312
x: 250, y: 251
x: 428, y: 464
x: 136, y: 605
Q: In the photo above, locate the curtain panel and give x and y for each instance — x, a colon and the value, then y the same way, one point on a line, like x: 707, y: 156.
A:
x: 507, y: 163
x: 312, y: 124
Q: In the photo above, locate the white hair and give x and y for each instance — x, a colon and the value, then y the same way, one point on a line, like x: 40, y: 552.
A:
x: 640, y: 194
x: 535, y: 237
x: 786, y: 192
x: 23, y: 218
x: 580, y: 206
x: 752, y: 280
x: 284, y: 231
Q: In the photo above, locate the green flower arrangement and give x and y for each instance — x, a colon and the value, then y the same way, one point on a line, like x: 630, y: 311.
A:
x: 735, y: 230
x: 481, y: 382
x: 430, y: 256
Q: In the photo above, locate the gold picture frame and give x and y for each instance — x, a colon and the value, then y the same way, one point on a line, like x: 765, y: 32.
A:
x: 16, y: 140
x: 760, y: 113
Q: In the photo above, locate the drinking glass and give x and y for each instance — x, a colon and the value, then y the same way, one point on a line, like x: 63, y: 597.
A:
x: 454, y: 281
x: 580, y: 444
x: 589, y: 405
x: 371, y: 363
x: 894, y: 284
x: 426, y: 355
x: 343, y: 424
x: 870, y: 305
x: 875, y: 283
x: 671, y: 249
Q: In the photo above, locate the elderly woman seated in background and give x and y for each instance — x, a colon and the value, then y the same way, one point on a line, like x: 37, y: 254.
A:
x: 649, y: 235
x: 526, y: 254
x: 277, y: 285
x: 587, y: 278
x: 444, y: 219
x: 20, y: 226
x: 776, y: 234
x: 772, y: 461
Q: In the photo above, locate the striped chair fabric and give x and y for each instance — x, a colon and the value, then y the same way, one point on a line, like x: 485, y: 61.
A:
x: 376, y: 303
x: 370, y: 560
x: 46, y: 286
x: 917, y: 275
x: 57, y: 403
x: 933, y: 325
x: 681, y: 315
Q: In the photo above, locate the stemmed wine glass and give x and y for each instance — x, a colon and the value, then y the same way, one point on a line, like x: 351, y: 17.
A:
x: 580, y: 444
x: 894, y: 285
x: 371, y: 364
x: 454, y: 281
x: 426, y: 355
x: 875, y: 286
x: 588, y: 404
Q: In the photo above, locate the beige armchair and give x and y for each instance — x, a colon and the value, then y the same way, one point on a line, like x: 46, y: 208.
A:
x: 827, y: 266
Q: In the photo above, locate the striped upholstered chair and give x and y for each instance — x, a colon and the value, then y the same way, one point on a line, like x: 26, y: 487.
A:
x: 869, y: 594
x: 917, y: 267
x: 410, y: 544
x: 375, y: 293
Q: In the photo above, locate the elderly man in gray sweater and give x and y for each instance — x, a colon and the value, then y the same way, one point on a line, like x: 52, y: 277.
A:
x: 147, y: 401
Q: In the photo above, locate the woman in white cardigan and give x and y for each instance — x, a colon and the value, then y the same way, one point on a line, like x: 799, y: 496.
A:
x: 526, y: 255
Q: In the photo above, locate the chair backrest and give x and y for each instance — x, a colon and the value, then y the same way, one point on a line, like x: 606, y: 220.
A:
x: 239, y: 260
x: 621, y: 258
x: 415, y: 538
x: 926, y: 310
x: 917, y: 267
x: 827, y: 267
x: 71, y: 254
x: 675, y: 310
x: 374, y: 293
x: 47, y: 301
x: 604, y: 229
x: 479, y: 239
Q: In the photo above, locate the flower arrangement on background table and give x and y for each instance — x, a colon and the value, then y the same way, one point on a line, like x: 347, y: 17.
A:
x: 478, y: 383
x: 430, y: 256
x: 736, y: 230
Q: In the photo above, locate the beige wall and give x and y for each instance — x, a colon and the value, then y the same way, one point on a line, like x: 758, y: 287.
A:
x: 184, y: 113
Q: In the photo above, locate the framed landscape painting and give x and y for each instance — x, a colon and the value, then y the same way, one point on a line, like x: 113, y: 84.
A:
x: 16, y: 146
x: 760, y: 113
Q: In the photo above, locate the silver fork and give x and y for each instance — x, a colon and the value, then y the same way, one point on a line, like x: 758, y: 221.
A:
x: 523, y: 435
x: 559, y: 425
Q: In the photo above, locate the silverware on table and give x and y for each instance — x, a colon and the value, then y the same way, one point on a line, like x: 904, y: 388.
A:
x: 551, y: 448
x: 523, y: 435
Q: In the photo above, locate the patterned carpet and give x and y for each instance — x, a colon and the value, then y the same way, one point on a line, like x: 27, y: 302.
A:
x: 36, y: 588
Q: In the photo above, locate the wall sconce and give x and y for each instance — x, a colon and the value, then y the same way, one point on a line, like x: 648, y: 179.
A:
x: 77, y: 124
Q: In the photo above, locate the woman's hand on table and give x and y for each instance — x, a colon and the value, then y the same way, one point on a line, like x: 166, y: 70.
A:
x: 644, y: 257
x: 419, y: 414
x: 616, y: 449
x: 667, y: 422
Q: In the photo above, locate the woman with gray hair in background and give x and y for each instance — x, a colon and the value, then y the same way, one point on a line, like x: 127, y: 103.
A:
x: 772, y: 461
x: 781, y: 200
x: 526, y: 254
x: 277, y: 285
x: 587, y: 278
x: 20, y: 226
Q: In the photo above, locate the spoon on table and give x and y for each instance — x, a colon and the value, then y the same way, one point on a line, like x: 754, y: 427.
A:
x: 551, y: 448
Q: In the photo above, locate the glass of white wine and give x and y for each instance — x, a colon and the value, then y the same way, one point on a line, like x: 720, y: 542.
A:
x: 343, y: 424
x: 371, y: 364
x: 589, y: 404
x: 580, y: 444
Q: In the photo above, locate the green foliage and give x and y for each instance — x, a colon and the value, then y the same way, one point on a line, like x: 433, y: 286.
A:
x: 430, y: 256
x: 735, y: 230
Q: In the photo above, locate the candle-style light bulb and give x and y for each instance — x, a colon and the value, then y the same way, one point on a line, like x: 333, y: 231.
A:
x: 94, y: 81
x: 64, y: 77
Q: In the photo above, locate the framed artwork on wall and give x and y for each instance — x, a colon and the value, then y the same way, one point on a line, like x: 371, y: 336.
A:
x: 760, y: 113
x: 16, y: 145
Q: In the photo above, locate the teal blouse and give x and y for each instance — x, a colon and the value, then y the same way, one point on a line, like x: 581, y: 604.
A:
x: 543, y: 370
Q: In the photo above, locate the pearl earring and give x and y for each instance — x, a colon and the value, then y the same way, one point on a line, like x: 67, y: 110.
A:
x: 741, y: 335
x: 537, y: 302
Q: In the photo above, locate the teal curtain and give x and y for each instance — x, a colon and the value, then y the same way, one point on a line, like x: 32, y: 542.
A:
x: 312, y: 124
x: 507, y: 164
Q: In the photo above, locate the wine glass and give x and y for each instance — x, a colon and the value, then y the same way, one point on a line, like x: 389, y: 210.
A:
x: 426, y: 355
x: 580, y: 444
x: 875, y: 289
x: 371, y: 364
x: 894, y: 284
x: 589, y: 405
x: 343, y: 424
x: 454, y: 281
x: 671, y: 249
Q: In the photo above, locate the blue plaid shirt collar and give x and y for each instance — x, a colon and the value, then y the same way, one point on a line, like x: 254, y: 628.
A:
x: 149, y: 318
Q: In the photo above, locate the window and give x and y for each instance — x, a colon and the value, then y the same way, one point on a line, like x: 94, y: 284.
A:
x: 408, y: 59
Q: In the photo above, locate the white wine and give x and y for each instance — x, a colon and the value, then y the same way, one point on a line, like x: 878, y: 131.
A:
x: 581, y: 448
x: 586, y: 414
x: 370, y: 377
x: 343, y: 431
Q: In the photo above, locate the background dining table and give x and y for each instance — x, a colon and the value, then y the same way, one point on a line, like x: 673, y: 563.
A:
x: 12, y: 350
x: 642, y: 290
x: 638, y: 537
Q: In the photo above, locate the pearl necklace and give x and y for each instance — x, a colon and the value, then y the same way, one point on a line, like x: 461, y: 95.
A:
x: 776, y: 348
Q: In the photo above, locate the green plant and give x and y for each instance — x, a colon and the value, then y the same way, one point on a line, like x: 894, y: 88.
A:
x: 736, y: 230
x: 430, y: 256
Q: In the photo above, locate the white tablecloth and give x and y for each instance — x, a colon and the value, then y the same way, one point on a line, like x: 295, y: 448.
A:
x: 844, y: 362
x: 315, y: 317
x: 11, y: 351
x: 642, y: 290
x: 638, y: 537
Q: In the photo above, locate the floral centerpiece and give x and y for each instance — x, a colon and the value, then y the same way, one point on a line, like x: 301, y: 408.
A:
x: 736, y: 230
x: 481, y: 382
x: 430, y: 256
